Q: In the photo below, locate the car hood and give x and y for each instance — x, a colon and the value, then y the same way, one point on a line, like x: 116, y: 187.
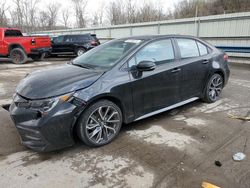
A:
x: 56, y: 81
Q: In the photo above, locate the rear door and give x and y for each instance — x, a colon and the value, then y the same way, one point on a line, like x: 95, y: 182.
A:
x: 58, y: 44
x: 154, y: 90
x: 194, y: 63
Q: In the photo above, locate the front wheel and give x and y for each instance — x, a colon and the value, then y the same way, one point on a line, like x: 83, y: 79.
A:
x: 18, y: 56
x: 213, y: 88
x: 100, y: 123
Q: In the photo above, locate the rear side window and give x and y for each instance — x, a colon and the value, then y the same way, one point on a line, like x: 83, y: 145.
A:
x: 84, y: 38
x: 13, y: 33
x: 202, y: 48
x: 188, y: 48
x: 159, y: 52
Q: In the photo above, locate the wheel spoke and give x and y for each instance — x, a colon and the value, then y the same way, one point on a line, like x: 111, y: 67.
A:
x: 110, y: 128
x: 113, y: 121
x: 99, y: 136
x: 92, y: 126
x: 97, y: 130
x: 114, y: 113
x: 94, y: 119
x: 100, y: 113
x: 106, y: 113
x: 105, y: 133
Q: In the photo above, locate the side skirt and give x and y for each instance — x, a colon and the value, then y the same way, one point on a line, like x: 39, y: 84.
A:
x: 167, y: 108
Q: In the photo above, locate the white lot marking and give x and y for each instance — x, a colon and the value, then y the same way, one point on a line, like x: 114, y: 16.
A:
x: 220, y: 105
x: 84, y: 169
x: 239, y: 82
x: 191, y: 121
x: 159, y: 135
x: 2, y: 90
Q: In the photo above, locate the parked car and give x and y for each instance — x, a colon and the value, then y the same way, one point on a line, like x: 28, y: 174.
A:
x: 121, y: 81
x: 73, y: 44
x: 18, y: 47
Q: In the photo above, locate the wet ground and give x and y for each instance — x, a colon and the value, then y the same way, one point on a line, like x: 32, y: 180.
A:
x: 173, y: 149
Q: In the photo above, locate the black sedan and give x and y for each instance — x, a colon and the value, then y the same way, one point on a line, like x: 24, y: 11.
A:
x: 121, y: 81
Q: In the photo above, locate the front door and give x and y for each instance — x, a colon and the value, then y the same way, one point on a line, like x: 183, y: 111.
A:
x: 157, y: 89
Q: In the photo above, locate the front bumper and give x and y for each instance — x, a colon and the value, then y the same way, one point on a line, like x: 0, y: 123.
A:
x: 44, y: 132
x: 39, y: 51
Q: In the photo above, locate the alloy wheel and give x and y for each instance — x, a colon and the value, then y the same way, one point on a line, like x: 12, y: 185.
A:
x: 215, y: 87
x: 17, y: 57
x: 103, y: 124
x: 80, y: 52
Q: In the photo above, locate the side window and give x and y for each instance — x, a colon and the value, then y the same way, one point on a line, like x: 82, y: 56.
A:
x: 13, y: 33
x: 202, y: 48
x: 159, y: 52
x: 68, y: 38
x: 58, y: 39
x: 188, y: 48
x: 84, y: 38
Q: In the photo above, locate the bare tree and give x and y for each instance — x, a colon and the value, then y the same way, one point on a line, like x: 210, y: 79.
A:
x: 80, y: 8
x: 43, y: 20
x: 3, y: 10
x: 131, y: 11
x: 65, y: 17
x: 116, y: 14
x: 17, y: 14
x: 98, y: 15
x: 52, y: 12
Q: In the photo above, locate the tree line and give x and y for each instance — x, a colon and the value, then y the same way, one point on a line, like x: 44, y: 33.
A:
x: 29, y: 16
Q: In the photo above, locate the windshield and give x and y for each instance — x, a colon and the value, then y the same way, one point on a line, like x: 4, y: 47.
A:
x: 106, y: 55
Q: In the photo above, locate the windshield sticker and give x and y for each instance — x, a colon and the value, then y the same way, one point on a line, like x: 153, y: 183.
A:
x: 133, y: 41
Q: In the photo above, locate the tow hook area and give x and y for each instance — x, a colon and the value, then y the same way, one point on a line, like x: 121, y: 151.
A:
x: 6, y: 107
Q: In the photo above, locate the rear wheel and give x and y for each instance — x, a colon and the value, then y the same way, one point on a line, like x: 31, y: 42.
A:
x: 214, y: 88
x: 80, y: 51
x: 18, y: 56
x: 39, y: 57
x: 100, y: 123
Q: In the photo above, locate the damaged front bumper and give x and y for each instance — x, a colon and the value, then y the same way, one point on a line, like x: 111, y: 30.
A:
x: 44, y: 131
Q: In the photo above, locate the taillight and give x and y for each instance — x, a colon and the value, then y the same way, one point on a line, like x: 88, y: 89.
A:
x: 225, y: 57
x: 33, y: 41
x: 94, y: 43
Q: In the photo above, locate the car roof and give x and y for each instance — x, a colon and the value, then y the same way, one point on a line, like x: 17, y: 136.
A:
x: 151, y: 37
x: 76, y: 34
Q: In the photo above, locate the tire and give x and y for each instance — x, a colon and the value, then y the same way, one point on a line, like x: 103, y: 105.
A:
x: 213, y: 88
x: 80, y: 51
x: 39, y: 57
x: 97, y: 130
x: 18, y: 56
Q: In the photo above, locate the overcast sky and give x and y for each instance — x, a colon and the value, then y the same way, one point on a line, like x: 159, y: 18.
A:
x: 95, y: 5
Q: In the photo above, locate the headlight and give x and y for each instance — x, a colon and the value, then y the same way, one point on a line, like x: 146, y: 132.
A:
x: 47, y: 104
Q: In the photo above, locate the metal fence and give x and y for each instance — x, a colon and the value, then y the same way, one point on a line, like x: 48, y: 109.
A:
x: 227, y: 30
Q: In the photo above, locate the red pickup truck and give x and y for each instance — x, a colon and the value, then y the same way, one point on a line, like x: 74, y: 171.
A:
x: 18, y: 47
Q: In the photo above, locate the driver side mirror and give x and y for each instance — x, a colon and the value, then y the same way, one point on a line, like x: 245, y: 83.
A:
x: 145, y: 66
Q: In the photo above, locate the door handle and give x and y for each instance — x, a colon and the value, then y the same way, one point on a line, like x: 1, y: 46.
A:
x: 205, y: 61
x: 175, y: 70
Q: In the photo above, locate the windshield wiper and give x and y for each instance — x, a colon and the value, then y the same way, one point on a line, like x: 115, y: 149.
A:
x: 87, y: 66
